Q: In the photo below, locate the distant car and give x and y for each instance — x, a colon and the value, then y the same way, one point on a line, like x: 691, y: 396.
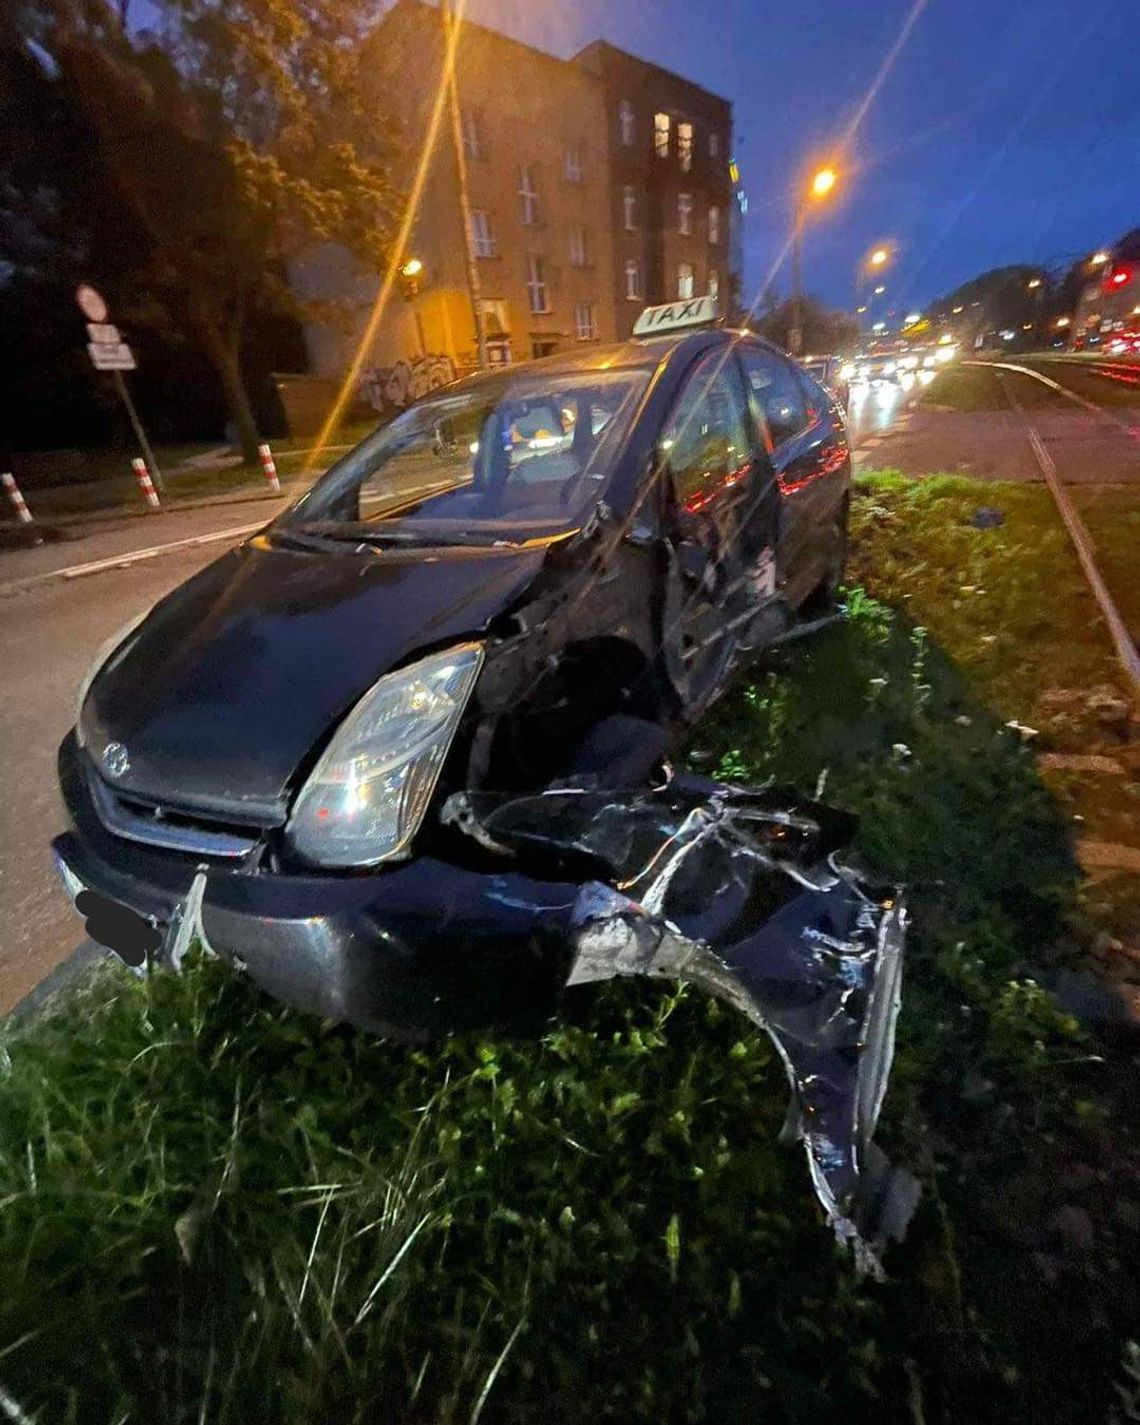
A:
x: 527, y: 574
x: 833, y: 373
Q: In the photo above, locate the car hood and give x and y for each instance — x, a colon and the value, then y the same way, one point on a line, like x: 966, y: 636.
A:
x: 228, y: 684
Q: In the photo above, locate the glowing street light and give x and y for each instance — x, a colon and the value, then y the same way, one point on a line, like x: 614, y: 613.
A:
x: 1098, y: 259
x: 410, y: 272
x: 913, y: 317
x: 859, y: 311
x: 822, y: 182
x: 879, y: 256
x: 1034, y: 282
x: 879, y: 327
x: 879, y: 291
x: 1062, y: 322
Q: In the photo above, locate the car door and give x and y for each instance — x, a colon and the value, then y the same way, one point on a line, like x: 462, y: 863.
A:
x: 715, y: 523
x: 807, y: 447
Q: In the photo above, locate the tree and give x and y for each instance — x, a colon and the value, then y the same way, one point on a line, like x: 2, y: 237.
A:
x: 825, y: 329
x: 219, y: 146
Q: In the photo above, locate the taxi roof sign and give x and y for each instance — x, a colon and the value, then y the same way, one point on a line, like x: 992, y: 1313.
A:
x: 692, y: 312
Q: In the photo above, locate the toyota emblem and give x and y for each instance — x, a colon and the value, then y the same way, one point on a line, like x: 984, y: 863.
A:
x: 116, y: 760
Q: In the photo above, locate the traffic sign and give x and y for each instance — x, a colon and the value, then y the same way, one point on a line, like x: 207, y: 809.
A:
x: 103, y: 334
x: 107, y: 357
x: 91, y: 303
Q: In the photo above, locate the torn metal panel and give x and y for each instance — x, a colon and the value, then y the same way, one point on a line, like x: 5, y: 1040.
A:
x: 741, y: 893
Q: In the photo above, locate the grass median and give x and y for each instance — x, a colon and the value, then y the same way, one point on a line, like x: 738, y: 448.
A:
x: 216, y: 1210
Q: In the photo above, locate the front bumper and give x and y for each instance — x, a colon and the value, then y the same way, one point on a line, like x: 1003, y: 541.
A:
x: 424, y: 947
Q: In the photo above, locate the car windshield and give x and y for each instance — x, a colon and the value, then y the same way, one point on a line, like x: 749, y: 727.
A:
x: 513, y: 459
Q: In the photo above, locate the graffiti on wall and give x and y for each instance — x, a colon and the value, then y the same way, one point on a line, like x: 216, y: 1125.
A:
x: 388, y: 387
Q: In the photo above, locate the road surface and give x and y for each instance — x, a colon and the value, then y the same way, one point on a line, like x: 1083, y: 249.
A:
x: 50, y: 628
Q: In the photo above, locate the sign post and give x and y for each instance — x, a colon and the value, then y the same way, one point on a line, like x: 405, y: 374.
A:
x: 109, y: 352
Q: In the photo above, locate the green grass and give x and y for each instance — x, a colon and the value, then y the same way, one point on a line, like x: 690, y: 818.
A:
x: 978, y: 388
x: 212, y: 1209
x: 109, y: 485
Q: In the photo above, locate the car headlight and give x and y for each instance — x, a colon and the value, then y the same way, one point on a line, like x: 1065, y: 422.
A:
x: 365, y: 798
x: 846, y: 371
x: 908, y: 363
x: 111, y: 646
x: 888, y: 368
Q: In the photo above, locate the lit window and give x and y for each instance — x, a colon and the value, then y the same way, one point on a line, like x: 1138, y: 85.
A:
x: 714, y: 225
x: 536, y: 292
x: 528, y: 197
x: 714, y: 144
x: 629, y: 208
x: 684, y: 281
x: 625, y: 120
x: 472, y: 136
x: 578, y: 247
x: 685, y: 146
x: 482, y: 238
x: 661, y: 135
x: 632, y: 280
x: 572, y: 164
x: 584, y: 321
x: 684, y: 212
x: 714, y: 283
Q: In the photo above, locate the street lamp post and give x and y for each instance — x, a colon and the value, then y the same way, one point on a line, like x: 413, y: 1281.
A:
x: 410, y: 272
x: 821, y: 185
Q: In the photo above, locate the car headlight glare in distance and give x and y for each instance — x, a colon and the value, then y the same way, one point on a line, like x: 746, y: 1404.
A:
x: 366, y: 797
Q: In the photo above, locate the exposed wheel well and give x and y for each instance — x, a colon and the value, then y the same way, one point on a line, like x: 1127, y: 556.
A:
x: 591, y: 680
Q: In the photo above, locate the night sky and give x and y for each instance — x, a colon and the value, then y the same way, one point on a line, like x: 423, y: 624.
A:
x: 1007, y: 131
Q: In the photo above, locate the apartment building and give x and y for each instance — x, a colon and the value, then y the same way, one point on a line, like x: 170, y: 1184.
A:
x: 596, y: 185
x: 668, y: 146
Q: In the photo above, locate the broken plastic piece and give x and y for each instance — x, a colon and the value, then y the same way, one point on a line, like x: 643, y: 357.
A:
x: 741, y: 893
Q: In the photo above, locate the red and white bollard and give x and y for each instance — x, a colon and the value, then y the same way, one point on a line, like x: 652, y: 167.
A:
x: 146, y: 484
x: 269, y: 468
x: 12, y: 490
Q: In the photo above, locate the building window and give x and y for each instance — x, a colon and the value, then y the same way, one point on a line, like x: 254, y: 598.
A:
x: 684, y: 212
x: 629, y: 208
x: 537, y: 297
x: 528, y: 197
x: 472, y: 135
x: 572, y: 164
x: 685, y: 146
x: 684, y: 281
x: 714, y: 283
x: 625, y: 120
x: 714, y: 225
x: 632, y: 280
x: 578, y: 247
x: 714, y: 144
x: 661, y: 135
x: 584, y: 321
x: 482, y: 238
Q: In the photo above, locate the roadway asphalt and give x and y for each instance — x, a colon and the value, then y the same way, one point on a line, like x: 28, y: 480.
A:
x: 50, y: 630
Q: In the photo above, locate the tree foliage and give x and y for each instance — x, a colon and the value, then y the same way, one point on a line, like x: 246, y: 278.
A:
x: 205, y: 154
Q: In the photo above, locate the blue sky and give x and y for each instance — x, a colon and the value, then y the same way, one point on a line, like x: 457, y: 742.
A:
x: 1007, y: 130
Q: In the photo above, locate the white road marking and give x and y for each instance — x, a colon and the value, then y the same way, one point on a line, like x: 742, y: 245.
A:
x: 131, y: 556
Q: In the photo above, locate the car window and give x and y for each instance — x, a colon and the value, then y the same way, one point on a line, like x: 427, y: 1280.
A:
x: 530, y: 451
x: 778, y: 399
x: 705, y: 441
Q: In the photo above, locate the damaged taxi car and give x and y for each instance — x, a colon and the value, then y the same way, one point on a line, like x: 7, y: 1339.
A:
x: 402, y: 755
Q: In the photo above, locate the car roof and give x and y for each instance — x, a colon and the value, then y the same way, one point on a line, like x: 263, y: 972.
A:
x: 644, y: 353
